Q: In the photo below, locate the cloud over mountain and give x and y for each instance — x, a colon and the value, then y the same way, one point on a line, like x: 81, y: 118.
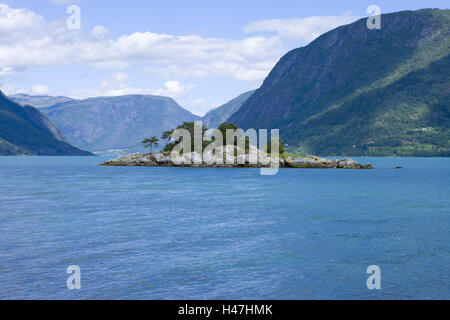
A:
x: 27, y: 40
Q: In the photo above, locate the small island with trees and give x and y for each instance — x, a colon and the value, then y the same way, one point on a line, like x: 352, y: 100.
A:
x: 235, y: 155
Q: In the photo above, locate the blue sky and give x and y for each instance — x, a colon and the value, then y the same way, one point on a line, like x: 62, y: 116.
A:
x: 201, y: 53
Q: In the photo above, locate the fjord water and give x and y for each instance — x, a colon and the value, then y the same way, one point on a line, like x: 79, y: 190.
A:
x: 185, y: 233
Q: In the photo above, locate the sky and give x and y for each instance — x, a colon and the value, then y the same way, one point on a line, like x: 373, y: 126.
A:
x: 201, y: 53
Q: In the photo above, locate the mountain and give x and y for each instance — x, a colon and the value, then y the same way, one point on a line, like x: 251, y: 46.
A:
x: 221, y: 114
x: 355, y: 91
x: 110, y: 123
x: 38, y: 101
x: 26, y: 131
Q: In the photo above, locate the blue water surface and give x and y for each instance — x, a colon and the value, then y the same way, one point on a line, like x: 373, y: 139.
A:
x: 185, y: 233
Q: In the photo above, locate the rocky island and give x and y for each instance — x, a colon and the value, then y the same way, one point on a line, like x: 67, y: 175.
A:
x: 165, y: 160
x: 231, y: 148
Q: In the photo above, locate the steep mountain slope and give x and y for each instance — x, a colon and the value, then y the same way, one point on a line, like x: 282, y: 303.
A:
x: 221, y: 114
x: 357, y: 91
x: 110, y: 123
x: 26, y: 131
x: 38, y: 101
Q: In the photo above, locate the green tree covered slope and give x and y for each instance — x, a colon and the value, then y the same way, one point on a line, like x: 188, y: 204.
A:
x: 355, y: 91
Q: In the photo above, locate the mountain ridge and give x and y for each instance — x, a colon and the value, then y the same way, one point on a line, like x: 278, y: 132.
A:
x: 24, y: 130
x: 346, y: 64
x: 219, y: 115
x: 100, y: 124
x: 38, y: 101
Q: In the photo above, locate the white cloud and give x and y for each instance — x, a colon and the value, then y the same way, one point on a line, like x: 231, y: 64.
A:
x: 116, y: 86
x: 35, y: 90
x: 40, y: 89
x: 174, y: 89
x: 37, y: 43
x: 200, y: 106
x: 120, y: 77
x: 99, y: 31
x: 4, y: 71
x: 305, y: 30
x: 108, y: 89
x: 9, y: 89
x: 18, y: 20
x: 27, y: 40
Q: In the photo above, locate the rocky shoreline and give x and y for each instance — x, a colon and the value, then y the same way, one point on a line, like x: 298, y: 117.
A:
x: 164, y: 160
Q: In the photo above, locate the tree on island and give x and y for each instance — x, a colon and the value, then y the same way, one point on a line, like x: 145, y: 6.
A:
x: 281, y: 146
x: 149, y: 143
x: 167, y: 135
x: 189, y: 126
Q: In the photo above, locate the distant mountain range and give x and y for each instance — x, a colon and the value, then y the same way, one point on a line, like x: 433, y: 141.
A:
x: 26, y: 131
x: 38, y: 101
x: 115, y: 124
x: 355, y: 91
x: 110, y: 123
x: 217, y: 116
